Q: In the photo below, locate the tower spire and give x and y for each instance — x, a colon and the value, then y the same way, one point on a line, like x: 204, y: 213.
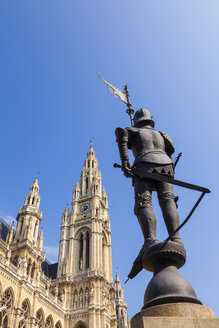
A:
x: 29, y: 216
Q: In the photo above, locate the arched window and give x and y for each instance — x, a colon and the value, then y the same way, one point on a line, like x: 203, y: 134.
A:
x: 88, y: 163
x: 33, y: 270
x: 81, y: 252
x: 26, y: 309
x: 87, y: 250
x: 15, y: 260
x: 86, y: 186
x: 7, y: 298
x: 49, y: 322
x: 80, y: 324
x: 40, y: 318
x: 28, y: 267
x: 21, y: 228
x: 33, y: 200
x: 92, y: 164
x: 58, y: 325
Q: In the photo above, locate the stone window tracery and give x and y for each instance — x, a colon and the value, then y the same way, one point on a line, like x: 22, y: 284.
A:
x: 58, y: 325
x: 25, y: 309
x: 39, y: 317
x: 49, y: 323
x: 7, y: 299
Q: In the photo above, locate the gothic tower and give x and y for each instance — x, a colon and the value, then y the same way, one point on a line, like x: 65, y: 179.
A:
x: 121, y: 306
x: 85, y: 260
x: 26, y: 245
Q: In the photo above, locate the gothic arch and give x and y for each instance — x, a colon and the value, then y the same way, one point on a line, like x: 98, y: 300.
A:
x: 105, y: 237
x: 26, y: 307
x: 58, y: 325
x: 8, y: 298
x: 80, y: 324
x: 49, y: 322
x: 82, y: 244
x: 82, y: 230
x: 40, y: 317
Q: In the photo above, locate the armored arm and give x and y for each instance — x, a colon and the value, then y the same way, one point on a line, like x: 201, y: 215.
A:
x: 122, y: 141
x: 169, y: 147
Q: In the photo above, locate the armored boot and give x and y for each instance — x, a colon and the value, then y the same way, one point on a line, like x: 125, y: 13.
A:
x: 147, y: 221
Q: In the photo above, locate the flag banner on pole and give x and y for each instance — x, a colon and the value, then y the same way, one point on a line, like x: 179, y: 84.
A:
x: 115, y: 91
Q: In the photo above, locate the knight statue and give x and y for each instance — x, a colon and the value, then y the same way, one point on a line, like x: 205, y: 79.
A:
x: 152, y: 150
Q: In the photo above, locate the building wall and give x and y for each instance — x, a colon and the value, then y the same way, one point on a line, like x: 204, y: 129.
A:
x: 78, y: 291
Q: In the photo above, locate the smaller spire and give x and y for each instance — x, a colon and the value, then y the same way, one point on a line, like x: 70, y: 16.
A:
x: 66, y: 211
x: 104, y: 192
x: 65, y: 214
x: 117, y: 280
x: 77, y: 187
x: 35, y: 186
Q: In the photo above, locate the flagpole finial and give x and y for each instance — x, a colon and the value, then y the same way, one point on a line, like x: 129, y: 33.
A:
x: 123, y: 95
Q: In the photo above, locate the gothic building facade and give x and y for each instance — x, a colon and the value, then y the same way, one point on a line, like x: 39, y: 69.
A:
x: 76, y: 292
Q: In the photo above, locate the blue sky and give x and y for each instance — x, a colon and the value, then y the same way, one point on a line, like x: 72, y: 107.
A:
x: 52, y: 103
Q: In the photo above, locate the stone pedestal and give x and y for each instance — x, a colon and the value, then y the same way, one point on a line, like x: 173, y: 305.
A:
x: 179, y: 315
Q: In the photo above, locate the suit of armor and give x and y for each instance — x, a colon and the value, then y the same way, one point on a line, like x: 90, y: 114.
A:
x: 152, y: 151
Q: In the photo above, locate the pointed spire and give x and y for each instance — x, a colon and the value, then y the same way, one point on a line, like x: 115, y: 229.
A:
x: 117, y: 280
x: 77, y: 187
x: 33, y: 197
x: 35, y: 186
x: 76, y: 192
x: 66, y: 211
x: 65, y: 214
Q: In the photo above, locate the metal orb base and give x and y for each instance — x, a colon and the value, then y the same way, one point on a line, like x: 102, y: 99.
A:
x: 167, y: 284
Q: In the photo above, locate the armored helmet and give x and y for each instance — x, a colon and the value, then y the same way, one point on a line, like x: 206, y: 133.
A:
x: 143, y: 115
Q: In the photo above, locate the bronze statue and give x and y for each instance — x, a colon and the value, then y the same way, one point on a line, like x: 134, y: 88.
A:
x: 152, y: 150
x: 153, y: 170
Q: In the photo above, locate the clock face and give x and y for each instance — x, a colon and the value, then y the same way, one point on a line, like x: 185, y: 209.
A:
x: 84, y: 208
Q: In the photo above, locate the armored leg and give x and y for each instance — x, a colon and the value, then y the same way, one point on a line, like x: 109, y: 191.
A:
x: 144, y: 211
x: 168, y: 206
x: 146, y: 218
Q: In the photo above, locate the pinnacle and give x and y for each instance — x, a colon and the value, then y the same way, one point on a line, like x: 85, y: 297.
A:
x: 35, y: 185
x: 117, y: 278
